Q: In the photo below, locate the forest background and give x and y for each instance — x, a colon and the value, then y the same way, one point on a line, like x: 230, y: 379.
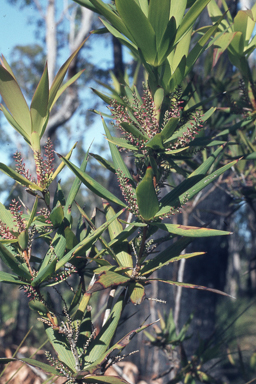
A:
x: 233, y: 270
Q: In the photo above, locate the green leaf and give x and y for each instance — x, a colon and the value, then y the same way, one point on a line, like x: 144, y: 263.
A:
x: 169, y: 128
x: 192, y: 286
x: 169, y: 255
x: 23, y: 239
x: 62, y: 165
x: 57, y: 215
x: 184, y: 230
x: 7, y: 217
x: 19, y: 178
x: 146, y: 196
x: 190, y: 192
x: 115, y: 228
x: 60, y: 76
x: 116, y: 156
x: 11, y: 279
x: 61, y: 346
x: 86, y: 243
x: 137, y: 293
x: 101, y: 379
x: 92, y: 184
x: 38, y: 306
x: 134, y: 131
x: 102, y: 341
x: 139, y: 28
x: 189, y: 18
x: 32, y: 214
x: 158, y: 16
x: 108, y: 279
x: 14, y: 123
x: 44, y: 273
x: 156, y: 142
x: 14, y: 100
x: 39, y: 104
x: 107, y: 164
x: 9, y: 259
x: 45, y: 367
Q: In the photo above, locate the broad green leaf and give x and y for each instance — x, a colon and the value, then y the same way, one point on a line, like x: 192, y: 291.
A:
x: 178, y: 75
x: 23, y: 239
x: 6, y: 217
x: 108, y: 279
x: 14, y: 100
x: 122, y: 143
x: 38, y: 306
x: 92, y: 184
x: 19, y: 178
x: 85, y: 244
x: 45, y: 367
x: 177, y: 10
x: 169, y: 128
x: 221, y: 45
x: 60, y: 76
x: 200, y: 46
x: 146, y: 196
x: 158, y: 16
x: 169, y: 255
x: 115, y: 20
x: 116, y: 156
x: 62, y: 164
x: 101, y: 379
x: 156, y: 142
x: 139, y: 27
x: 166, y: 43
x: 134, y: 131
x: 106, y: 163
x: 189, y: 18
x: 102, y: 341
x: 137, y: 293
x: 65, y: 86
x: 192, y: 286
x: 132, y: 47
x: 14, y: 123
x: 71, y: 240
x: 57, y: 215
x: 62, y: 348
x: 190, y: 192
x: 44, y: 273
x: 115, y: 228
x: 11, y: 279
x: 39, y: 104
x: 32, y: 214
x: 184, y: 230
x: 10, y: 260
x: 35, y: 142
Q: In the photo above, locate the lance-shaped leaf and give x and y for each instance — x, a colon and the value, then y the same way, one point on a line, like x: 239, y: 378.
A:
x: 10, y: 260
x: 6, y: 217
x: 44, y: 273
x: 189, y: 18
x: 101, y: 379
x: 191, y: 192
x: 57, y: 215
x: 97, y: 348
x: 146, y: 196
x: 115, y: 228
x: 106, y: 163
x: 92, y: 184
x: 32, y: 214
x: 14, y: 123
x: 39, y: 105
x: 85, y: 244
x: 14, y: 100
x: 167, y: 256
x: 192, y: 286
x: 137, y: 293
x: 60, y: 344
x: 184, y: 230
x: 139, y: 28
x: 108, y: 279
x: 45, y: 367
x: 60, y: 76
x: 116, y: 156
x: 11, y: 279
x: 19, y: 178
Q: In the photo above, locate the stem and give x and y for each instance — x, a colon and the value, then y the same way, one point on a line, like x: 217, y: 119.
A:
x: 143, y: 242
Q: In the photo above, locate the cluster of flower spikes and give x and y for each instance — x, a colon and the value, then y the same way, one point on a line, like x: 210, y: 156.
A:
x: 5, y: 231
x: 128, y: 192
x: 142, y: 114
x: 44, y: 165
